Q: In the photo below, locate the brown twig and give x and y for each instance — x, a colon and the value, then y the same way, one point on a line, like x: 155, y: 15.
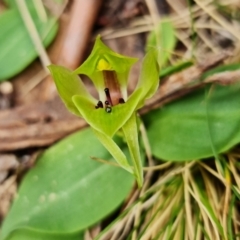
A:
x: 79, y: 28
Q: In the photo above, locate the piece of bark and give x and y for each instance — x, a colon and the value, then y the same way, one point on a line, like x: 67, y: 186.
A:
x: 6, y: 95
x: 7, y: 192
x: 224, y: 78
x: 38, y: 124
x: 7, y: 162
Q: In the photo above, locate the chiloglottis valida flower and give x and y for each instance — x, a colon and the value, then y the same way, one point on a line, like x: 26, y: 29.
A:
x: 114, y: 110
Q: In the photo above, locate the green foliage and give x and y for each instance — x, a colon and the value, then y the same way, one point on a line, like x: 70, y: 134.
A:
x: 175, y: 68
x: 163, y: 38
x: 66, y: 192
x: 16, y: 47
x: 197, y: 125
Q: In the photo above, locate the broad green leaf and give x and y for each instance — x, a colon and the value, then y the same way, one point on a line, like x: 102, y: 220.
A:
x: 66, y: 191
x: 68, y: 85
x: 16, y: 47
x: 30, y: 234
x: 163, y: 38
x: 107, y: 123
x: 191, y: 127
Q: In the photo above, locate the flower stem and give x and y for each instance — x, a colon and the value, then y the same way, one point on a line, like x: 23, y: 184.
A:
x: 130, y: 131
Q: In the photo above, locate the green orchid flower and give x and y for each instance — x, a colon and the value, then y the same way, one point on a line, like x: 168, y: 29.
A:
x: 114, y: 110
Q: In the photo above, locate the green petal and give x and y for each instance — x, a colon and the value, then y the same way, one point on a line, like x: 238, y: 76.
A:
x: 149, y: 76
x: 115, y: 62
x: 100, y: 120
x: 68, y: 85
x: 114, y: 150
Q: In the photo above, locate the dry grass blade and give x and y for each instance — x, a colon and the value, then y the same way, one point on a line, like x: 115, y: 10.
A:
x: 33, y: 33
x: 189, y: 227
x: 218, y: 18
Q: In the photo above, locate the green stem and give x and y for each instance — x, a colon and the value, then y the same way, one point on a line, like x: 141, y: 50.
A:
x: 130, y: 131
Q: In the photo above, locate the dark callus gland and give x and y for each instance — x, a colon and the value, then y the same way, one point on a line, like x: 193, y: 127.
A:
x: 99, y: 105
x: 108, y: 109
x: 109, y: 100
x: 106, y: 90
